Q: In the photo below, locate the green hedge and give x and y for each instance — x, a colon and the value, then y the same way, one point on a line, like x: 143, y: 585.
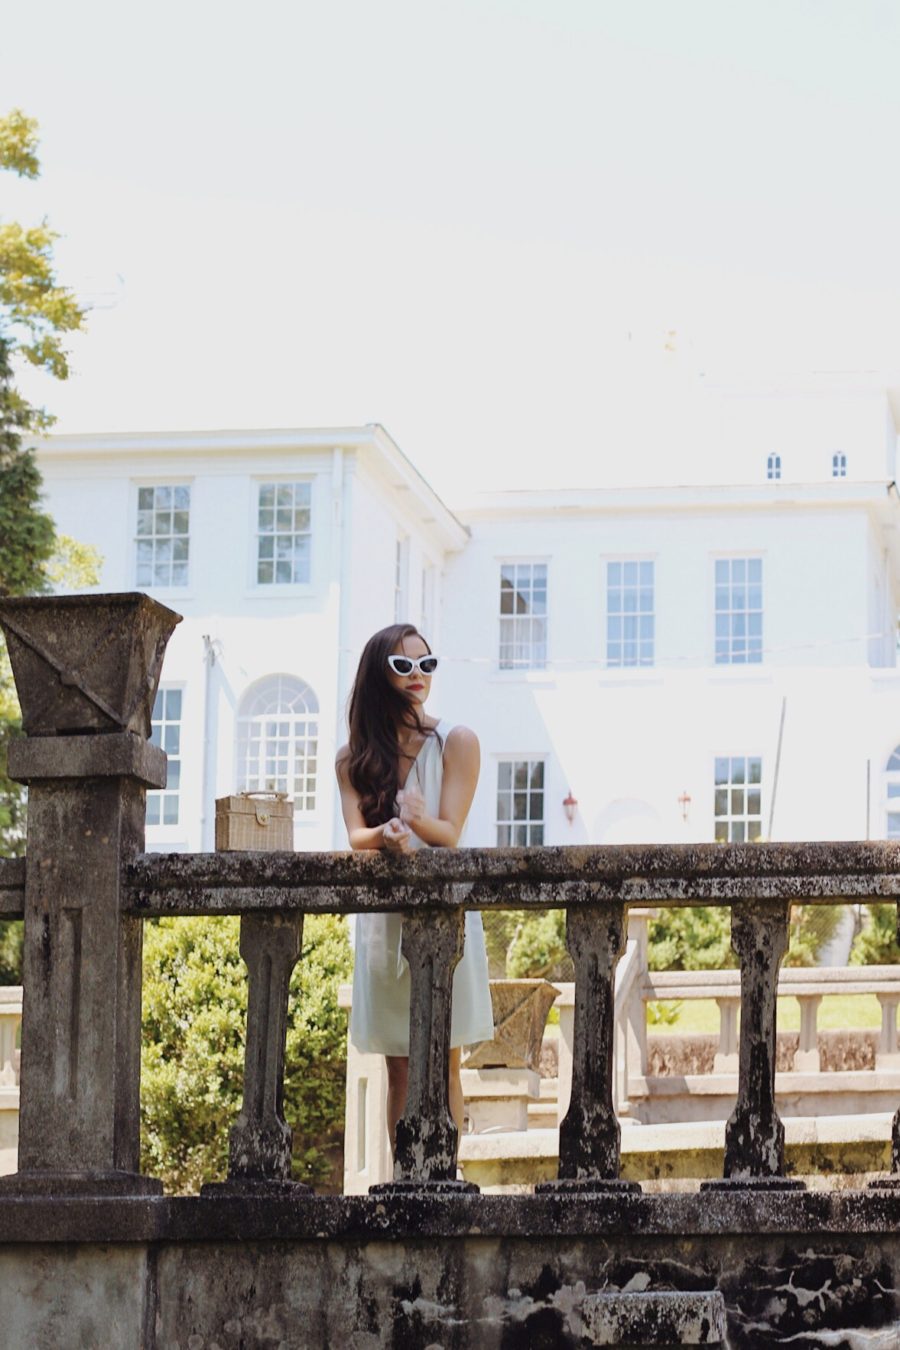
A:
x: 194, y: 1003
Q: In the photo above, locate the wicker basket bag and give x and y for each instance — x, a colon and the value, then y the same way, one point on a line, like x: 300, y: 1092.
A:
x: 261, y: 821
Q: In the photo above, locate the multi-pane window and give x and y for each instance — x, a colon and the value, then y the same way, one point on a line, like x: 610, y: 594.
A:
x: 738, y: 799
x: 163, y: 535
x: 278, y: 735
x: 773, y: 466
x: 520, y: 802
x: 163, y: 807
x: 401, y: 579
x: 892, y: 776
x: 284, y: 533
x: 739, y: 610
x: 839, y: 465
x: 629, y: 614
x: 523, y: 616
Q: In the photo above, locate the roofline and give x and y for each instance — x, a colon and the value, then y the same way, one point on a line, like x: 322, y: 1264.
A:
x: 400, y: 462
x: 684, y: 497
x: 252, y: 438
x: 371, y: 437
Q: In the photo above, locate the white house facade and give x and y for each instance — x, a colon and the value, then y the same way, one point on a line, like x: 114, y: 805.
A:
x: 641, y: 665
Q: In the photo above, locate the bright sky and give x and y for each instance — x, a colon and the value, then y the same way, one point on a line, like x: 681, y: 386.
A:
x: 449, y: 217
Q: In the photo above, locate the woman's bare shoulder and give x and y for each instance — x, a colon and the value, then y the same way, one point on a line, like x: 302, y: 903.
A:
x: 460, y: 739
x: 341, y: 760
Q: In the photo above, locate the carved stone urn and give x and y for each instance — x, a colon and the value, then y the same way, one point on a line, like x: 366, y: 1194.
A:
x: 520, y: 1015
x: 86, y: 663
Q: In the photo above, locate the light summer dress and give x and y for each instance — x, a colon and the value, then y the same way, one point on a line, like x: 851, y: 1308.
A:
x: 379, y: 1016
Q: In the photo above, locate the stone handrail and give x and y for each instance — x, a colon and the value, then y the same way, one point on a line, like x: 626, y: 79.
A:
x: 86, y: 670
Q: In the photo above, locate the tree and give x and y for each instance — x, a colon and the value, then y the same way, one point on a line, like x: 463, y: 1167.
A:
x: 35, y: 313
x: 876, y: 944
x: 195, y: 1000
x: 35, y: 310
x: 529, y: 944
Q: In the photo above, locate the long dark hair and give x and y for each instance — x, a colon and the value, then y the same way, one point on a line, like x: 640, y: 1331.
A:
x: 377, y: 710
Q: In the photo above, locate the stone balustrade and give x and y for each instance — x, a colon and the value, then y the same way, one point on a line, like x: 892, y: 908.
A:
x: 807, y: 986
x: 87, y: 669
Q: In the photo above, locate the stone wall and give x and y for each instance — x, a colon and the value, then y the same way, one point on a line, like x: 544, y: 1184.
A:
x: 488, y: 1273
x: 675, y: 1054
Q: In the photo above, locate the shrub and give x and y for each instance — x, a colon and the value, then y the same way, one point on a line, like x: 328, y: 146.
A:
x: 700, y: 938
x: 194, y: 1006
x: 877, y: 945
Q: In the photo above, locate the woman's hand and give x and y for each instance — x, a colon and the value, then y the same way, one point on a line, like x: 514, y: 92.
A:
x: 396, y: 836
x: 412, y: 805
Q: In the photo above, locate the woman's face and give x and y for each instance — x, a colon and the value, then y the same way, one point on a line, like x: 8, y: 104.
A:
x: 415, y: 686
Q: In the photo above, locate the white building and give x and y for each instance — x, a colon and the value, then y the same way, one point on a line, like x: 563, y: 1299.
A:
x: 689, y: 663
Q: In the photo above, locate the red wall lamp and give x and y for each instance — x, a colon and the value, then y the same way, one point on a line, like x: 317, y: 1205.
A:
x: 570, y: 806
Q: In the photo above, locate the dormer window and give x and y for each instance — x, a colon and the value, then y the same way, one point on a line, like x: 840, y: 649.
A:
x: 839, y: 465
x: 773, y: 466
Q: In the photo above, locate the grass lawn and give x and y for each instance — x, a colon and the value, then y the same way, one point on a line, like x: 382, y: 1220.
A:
x: 837, y: 1012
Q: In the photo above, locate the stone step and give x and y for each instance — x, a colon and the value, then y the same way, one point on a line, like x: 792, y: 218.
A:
x: 655, y: 1318
x: 683, y: 1153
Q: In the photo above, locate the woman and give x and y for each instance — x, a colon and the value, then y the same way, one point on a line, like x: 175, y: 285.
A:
x: 407, y: 781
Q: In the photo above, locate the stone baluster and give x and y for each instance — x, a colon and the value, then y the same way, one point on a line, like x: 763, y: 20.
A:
x: 260, y: 1139
x: 426, y: 1140
x: 886, y: 1055
x: 636, y: 1008
x: 726, y: 1057
x: 9, y: 1025
x: 807, y: 1058
x: 754, y: 1134
x: 86, y: 670
x: 589, y: 1134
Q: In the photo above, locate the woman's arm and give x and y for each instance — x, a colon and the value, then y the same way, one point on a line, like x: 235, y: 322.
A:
x: 393, y: 835
x: 462, y: 761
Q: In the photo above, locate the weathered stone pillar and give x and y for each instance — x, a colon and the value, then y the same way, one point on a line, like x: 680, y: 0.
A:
x: 86, y: 670
x: 589, y: 1134
x: 425, y: 1146
x: 754, y: 1134
x: 260, y: 1140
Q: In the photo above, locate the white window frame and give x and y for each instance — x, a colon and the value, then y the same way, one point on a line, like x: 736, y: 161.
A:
x: 535, y: 827
x: 301, y: 728
x: 773, y: 466
x: 401, y: 579
x: 839, y: 464
x: 277, y: 588
x: 892, y: 795
x: 179, y: 588
x: 625, y: 560
x: 175, y: 757
x: 736, y: 793
x: 514, y: 667
x: 746, y: 610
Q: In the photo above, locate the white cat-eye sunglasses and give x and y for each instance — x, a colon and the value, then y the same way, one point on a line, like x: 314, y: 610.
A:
x: 405, y: 665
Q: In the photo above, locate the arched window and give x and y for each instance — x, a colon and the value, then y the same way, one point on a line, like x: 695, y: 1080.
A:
x: 773, y: 466
x: 892, y: 793
x: 277, y: 740
x: 839, y: 464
